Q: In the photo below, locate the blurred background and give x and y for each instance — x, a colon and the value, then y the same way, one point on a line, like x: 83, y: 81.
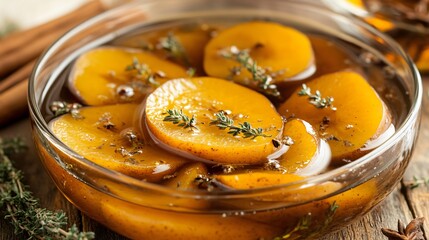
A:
x: 22, y: 14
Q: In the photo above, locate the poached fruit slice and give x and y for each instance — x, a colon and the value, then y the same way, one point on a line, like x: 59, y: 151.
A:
x: 301, y: 151
x: 182, y: 45
x: 185, y: 177
x: 110, y: 75
x: 358, y: 117
x: 202, y: 99
x: 296, y: 191
x: 105, y: 136
x: 282, y: 51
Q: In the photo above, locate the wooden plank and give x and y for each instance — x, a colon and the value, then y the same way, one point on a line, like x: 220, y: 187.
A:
x: 385, y: 215
x: 418, y: 198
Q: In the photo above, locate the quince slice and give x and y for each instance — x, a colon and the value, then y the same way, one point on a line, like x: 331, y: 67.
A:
x: 283, y: 51
x: 358, y: 118
x: 105, y: 135
x: 110, y: 75
x: 202, y: 99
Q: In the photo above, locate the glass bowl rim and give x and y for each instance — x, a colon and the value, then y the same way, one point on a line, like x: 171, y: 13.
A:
x: 359, y: 12
x: 42, y: 125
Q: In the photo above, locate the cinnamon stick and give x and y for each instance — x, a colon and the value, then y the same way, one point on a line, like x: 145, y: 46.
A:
x: 13, y: 103
x: 22, y: 47
x: 18, y: 76
x: 26, y: 53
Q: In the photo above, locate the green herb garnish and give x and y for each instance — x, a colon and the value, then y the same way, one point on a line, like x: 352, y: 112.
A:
x: 259, y: 74
x: 191, y: 72
x: 316, y: 99
x: 174, y: 48
x: 178, y: 117
x: 143, y: 72
x: 223, y: 122
x: 305, y: 223
x: 23, y: 210
x: 417, y: 182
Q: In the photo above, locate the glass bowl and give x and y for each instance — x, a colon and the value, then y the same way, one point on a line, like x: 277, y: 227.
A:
x: 392, y: 12
x: 303, y: 209
x: 411, y: 32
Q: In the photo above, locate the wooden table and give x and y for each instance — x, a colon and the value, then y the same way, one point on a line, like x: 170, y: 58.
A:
x: 403, y: 203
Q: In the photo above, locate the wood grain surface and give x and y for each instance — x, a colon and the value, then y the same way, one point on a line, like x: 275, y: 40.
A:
x: 404, y: 203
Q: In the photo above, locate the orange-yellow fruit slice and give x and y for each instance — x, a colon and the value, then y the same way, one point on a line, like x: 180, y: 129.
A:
x: 261, y: 179
x: 257, y: 179
x: 359, y: 115
x: 185, y: 177
x: 105, y: 136
x: 301, y: 151
x: 101, y: 77
x: 277, y: 48
x: 201, y: 99
x: 189, y: 43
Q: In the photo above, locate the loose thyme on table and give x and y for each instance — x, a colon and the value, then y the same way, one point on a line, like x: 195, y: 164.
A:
x: 417, y: 182
x: 259, y: 74
x: 22, y: 210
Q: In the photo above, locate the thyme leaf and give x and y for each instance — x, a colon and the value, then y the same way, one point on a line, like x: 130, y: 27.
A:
x: 23, y: 210
x: 259, y: 74
x: 222, y: 121
x: 143, y: 72
x: 417, y: 182
x: 306, y: 223
x: 316, y: 98
x: 174, y: 48
x: 191, y: 72
x: 178, y: 117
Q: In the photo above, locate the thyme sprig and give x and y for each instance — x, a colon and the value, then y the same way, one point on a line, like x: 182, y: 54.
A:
x: 303, y: 224
x: 316, y: 98
x: 143, y: 72
x: 178, y: 117
x: 222, y: 121
x: 417, y: 182
x: 259, y: 74
x: 306, y: 223
x: 174, y: 48
x: 22, y: 209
